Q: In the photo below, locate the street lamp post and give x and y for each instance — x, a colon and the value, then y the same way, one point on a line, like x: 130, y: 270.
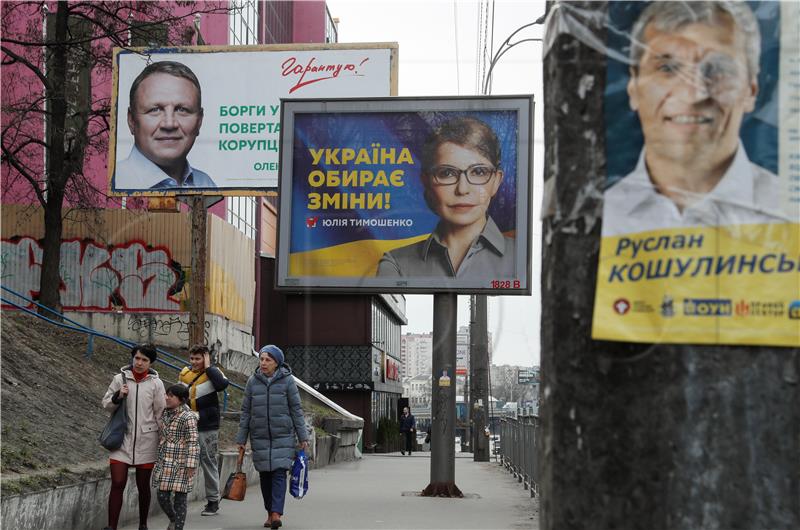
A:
x: 507, y: 45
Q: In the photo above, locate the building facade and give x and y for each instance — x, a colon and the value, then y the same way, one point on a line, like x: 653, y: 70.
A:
x: 345, y: 346
x: 416, y: 352
x: 348, y: 347
x: 148, y: 223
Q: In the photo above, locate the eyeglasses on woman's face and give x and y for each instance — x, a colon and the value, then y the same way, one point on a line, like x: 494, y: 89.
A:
x: 477, y: 174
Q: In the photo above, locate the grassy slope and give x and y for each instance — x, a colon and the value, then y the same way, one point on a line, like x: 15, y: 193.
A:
x: 51, y: 413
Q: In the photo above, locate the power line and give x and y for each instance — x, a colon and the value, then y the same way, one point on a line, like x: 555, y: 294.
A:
x: 458, y: 68
x: 491, y: 43
x: 478, y: 65
x: 485, y: 55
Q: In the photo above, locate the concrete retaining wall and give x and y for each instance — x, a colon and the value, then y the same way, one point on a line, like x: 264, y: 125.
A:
x: 243, y: 363
x: 85, y: 505
x: 168, y: 329
x: 341, y: 447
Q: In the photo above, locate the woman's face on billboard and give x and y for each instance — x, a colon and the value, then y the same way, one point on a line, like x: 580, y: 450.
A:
x: 461, y: 185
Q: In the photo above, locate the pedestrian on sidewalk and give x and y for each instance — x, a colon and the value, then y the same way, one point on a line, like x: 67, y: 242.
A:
x: 272, y: 417
x: 178, y: 453
x: 145, y: 392
x: 204, y: 381
x: 408, y: 428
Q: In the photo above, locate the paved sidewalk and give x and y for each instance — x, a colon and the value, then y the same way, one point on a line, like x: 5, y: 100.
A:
x: 379, y: 492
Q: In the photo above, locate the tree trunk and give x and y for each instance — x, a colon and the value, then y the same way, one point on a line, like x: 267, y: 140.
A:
x: 644, y: 436
x: 57, y: 172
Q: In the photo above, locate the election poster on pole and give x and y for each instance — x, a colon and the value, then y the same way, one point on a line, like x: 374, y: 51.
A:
x: 701, y: 216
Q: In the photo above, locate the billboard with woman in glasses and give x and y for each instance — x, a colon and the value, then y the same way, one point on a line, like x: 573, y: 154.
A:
x: 406, y: 195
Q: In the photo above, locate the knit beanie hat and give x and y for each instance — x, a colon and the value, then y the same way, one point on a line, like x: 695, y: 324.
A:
x: 274, y: 352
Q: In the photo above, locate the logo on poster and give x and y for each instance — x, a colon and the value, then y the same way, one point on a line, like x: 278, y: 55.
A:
x: 621, y: 306
x: 707, y: 307
x: 759, y: 308
x: 311, y: 222
x: 794, y: 310
x: 667, y: 306
x: 742, y: 308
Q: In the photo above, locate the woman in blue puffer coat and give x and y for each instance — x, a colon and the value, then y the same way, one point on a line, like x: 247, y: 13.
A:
x: 271, y: 417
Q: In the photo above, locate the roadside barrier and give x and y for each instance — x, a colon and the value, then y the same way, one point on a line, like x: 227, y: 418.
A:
x: 518, y: 448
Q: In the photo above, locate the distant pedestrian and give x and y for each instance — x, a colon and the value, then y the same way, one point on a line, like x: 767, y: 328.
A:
x: 178, y: 453
x: 272, y: 416
x: 204, y: 381
x: 408, y: 428
x: 145, y: 392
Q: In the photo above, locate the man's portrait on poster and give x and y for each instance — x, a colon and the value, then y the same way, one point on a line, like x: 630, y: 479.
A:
x: 693, y: 76
x: 164, y: 118
x: 461, y: 172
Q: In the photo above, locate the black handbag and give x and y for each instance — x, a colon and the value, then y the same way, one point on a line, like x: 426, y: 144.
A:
x: 114, y: 433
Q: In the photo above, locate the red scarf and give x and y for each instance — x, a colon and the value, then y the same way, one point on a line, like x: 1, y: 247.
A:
x: 138, y: 377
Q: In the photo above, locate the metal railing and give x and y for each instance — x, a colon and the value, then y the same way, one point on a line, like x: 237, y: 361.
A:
x: 518, y: 445
x: 92, y: 333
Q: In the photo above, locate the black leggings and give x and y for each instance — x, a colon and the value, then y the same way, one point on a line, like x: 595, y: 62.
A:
x: 410, y: 440
x: 119, y: 478
x: 175, y: 511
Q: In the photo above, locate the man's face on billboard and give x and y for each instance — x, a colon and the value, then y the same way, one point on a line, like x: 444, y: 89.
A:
x: 165, y: 119
x: 691, y: 91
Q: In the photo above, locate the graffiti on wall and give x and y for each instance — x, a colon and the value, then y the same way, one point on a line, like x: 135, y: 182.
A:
x: 150, y: 328
x: 94, y: 277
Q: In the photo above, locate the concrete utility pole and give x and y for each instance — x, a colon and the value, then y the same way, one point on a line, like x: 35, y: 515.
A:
x: 197, y: 303
x: 643, y: 436
x: 443, y: 403
x: 479, y: 379
x: 466, y: 440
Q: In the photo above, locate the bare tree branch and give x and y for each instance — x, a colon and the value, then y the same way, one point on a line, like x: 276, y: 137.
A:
x: 10, y: 159
x: 30, y: 66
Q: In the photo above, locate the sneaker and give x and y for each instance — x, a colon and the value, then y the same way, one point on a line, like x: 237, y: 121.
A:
x: 402, y: 452
x: 212, y: 508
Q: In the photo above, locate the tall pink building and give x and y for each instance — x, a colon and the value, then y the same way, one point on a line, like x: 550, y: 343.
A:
x: 234, y: 22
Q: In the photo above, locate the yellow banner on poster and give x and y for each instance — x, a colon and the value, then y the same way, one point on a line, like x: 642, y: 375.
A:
x: 735, y: 284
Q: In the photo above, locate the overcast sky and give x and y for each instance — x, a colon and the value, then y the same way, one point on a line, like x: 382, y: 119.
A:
x: 438, y: 47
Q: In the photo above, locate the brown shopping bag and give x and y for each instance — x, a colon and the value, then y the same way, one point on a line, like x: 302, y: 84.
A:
x: 236, y: 486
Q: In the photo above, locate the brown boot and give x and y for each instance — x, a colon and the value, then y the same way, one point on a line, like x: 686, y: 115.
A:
x: 276, y: 520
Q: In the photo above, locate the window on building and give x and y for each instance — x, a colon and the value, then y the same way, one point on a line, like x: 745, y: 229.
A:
x: 278, y: 21
x: 243, y: 30
x: 241, y: 213
x: 331, y: 31
x: 385, y: 330
x: 243, y: 22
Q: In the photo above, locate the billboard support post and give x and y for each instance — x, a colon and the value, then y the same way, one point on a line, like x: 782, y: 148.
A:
x: 197, y: 305
x: 479, y: 379
x: 443, y: 404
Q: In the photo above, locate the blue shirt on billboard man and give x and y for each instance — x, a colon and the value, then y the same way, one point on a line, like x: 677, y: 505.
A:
x: 164, y: 117
x: 461, y: 174
x: 694, y: 75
